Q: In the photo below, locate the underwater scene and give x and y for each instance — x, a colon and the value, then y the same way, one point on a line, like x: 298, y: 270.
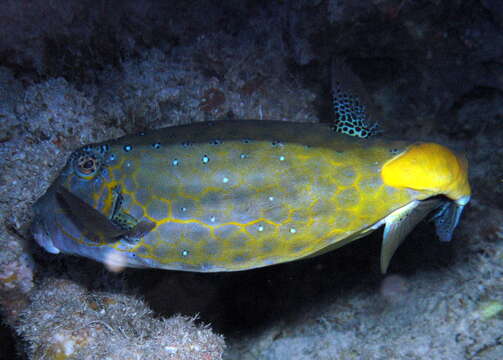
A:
x: 244, y: 180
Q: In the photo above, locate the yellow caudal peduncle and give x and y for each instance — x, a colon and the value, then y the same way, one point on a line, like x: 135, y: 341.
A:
x: 429, y: 167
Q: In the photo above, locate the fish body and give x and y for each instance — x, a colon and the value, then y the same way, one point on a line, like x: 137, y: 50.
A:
x: 237, y: 195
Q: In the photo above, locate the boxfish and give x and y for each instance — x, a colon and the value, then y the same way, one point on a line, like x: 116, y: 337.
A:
x: 237, y: 195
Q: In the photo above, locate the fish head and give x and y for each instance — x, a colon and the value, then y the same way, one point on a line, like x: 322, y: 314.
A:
x: 54, y: 226
x: 432, y: 170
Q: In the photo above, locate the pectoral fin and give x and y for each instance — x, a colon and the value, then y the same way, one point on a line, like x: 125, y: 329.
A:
x: 94, y: 224
x: 139, y: 230
x: 400, y: 223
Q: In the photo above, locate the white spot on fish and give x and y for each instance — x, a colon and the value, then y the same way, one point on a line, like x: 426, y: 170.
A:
x: 184, y: 209
x: 260, y: 228
x: 176, y: 162
x: 293, y: 231
x: 225, y: 180
x: 271, y: 198
x: 115, y: 262
x: 281, y: 158
x: 185, y: 253
x: 128, y: 148
x: 213, y: 219
x: 205, y: 159
x: 243, y: 156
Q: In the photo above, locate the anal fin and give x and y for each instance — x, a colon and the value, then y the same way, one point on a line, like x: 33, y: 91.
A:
x: 400, y: 223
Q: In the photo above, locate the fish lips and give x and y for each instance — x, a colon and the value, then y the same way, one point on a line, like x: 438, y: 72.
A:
x: 49, y: 220
x: 43, y: 237
x: 44, y: 227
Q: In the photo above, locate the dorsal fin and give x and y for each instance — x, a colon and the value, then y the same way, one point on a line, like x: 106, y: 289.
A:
x: 352, y: 106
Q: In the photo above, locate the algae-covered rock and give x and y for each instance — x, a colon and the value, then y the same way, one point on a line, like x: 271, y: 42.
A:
x: 66, y: 321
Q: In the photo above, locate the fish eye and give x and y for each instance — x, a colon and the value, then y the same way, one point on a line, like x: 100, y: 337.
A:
x: 86, y: 166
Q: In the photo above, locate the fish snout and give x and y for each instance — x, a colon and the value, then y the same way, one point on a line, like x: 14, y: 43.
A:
x: 43, y: 236
x: 44, y: 226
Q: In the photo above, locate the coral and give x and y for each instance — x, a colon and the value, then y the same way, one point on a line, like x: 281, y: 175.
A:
x: 65, y: 321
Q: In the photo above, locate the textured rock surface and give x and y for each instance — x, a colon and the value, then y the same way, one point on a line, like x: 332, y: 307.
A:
x: 67, y: 321
x: 74, y: 72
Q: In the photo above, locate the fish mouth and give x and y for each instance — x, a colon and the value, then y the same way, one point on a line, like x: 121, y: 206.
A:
x: 447, y: 217
x: 43, y: 236
x: 43, y: 226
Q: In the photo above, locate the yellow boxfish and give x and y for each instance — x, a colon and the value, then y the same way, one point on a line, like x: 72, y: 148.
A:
x: 237, y: 195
